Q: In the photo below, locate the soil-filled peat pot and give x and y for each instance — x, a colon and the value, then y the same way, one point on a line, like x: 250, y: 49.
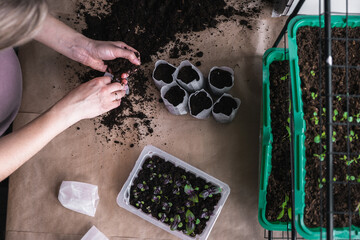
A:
x: 189, y: 77
x: 308, y: 83
x: 200, y: 104
x: 225, y: 108
x: 175, y: 98
x: 163, y: 73
x: 173, y: 195
x: 221, y: 80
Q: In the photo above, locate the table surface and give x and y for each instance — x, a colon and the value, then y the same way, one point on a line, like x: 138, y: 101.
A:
x: 229, y: 152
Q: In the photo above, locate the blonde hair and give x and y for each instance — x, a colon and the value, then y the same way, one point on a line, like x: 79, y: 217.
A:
x: 20, y: 20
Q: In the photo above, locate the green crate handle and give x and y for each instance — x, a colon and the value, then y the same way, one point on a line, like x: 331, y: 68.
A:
x: 299, y: 123
x: 271, y: 55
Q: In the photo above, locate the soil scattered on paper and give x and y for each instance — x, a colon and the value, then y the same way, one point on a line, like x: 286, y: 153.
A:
x: 149, y: 26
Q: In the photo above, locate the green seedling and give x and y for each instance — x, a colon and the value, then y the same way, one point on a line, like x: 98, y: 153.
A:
x: 335, y: 115
x: 352, y: 136
x: 338, y: 98
x: 350, y: 178
x: 283, y: 208
x: 190, y: 222
x: 283, y: 78
x: 175, y: 222
x: 321, y: 157
x: 358, y: 208
x: 323, y: 112
x: 314, y: 95
x: 357, y: 118
x: 345, y: 117
x: 323, y: 181
x: 315, y: 118
x: 318, y: 138
x: 191, y: 193
x: 312, y: 72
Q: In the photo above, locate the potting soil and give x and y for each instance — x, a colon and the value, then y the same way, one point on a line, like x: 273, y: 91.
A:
x: 220, y: 78
x: 226, y: 105
x: 199, y: 102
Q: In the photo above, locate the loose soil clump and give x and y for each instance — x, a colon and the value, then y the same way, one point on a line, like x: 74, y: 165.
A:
x: 165, y: 191
x: 226, y: 105
x: 164, y: 72
x: 279, y: 182
x: 199, y: 102
x: 220, y: 78
x: 346, y: 168
x: 187, y: 74
x: 175, y: 95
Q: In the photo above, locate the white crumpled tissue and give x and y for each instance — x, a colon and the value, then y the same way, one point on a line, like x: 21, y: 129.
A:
x: 79, y: 197
x: 94, y: 234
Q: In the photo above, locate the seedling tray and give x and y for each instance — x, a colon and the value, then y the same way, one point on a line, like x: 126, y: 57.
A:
x: 271, y: 55
x: 123, y: 198
x: 300, y: 127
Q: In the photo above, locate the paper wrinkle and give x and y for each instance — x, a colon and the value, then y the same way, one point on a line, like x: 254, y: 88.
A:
x: 180, y: 109
x: 159, y: 83
x: 194, y: 85
x: 79, y: 197
x: 94, y: 234
x: 218, y: 91
x: 204, y: 113
x: 223, y: 118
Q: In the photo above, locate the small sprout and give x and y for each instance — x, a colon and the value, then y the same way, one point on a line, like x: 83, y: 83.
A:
x: 335, y: 114
x: 338, y: 98
x: 321, y: 157
x: 167, y: 179
x: 352, y: 136
x: 350, y: 178
x: 345, y: 117
x: 166, y: 206
x: 191, y: 192
x: 312, y: 72
x: 176, y: 191
x: 283, y: 207
x: 317, y: 139
x: 334, y: 179
x: 321, y: 182
x: 197, y: 221
x: 150, y: 165
x: 162, y: 217
x: 358, y: 208
x: 156, y: 199
x: 315, y: 118
x: 139, y: 204
x: 190, y: 222
x: 205, y: 214
x: 196, y: 188
x: 143, y: 186
x: 283, y: 78
x: 157, y: 190
x: 206, y: 186
x: 180, y: 225
x: 189, y: 204
x: 289, y: 213
x: 358, y: 179
x: 175, y: 222
x: 323, y: 112
x: 210, y: 192
x: 357, y: 118
x: 148, y: 209
x: 314, y: 95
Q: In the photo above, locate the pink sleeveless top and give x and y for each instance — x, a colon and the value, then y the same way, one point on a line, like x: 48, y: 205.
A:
x: 10, y: 87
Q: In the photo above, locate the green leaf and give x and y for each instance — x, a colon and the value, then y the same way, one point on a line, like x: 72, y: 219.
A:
x: 281, y: 214
x: 197, y: 221
x: 289, y: 213
x: 317, y: 139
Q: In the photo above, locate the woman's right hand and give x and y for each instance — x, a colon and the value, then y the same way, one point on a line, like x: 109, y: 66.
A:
x: 90, y: 99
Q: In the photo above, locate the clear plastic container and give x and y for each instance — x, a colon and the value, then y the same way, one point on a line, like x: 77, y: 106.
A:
x: 123, y: 199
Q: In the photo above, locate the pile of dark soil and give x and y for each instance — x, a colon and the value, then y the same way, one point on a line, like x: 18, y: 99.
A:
x: 175, y: 95
x: 279, y: 182
x: 226, y: 105
x: 187, y: 74
x: 220, y: 78
x: 346, y: 168
x: 148, y: 26
x: 164, y: 73
x: 160, y: 190
x: 199, y: 102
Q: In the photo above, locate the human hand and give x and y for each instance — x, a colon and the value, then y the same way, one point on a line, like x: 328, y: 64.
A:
x: 96, y: 51
x: 90, y: 99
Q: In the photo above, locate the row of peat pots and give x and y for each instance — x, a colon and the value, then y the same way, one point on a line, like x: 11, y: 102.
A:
x: 308, y: 137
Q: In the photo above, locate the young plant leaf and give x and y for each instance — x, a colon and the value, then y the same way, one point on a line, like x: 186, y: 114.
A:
x: 175, y: 224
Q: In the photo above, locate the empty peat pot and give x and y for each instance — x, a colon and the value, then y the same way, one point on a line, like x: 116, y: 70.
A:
x: 225, y: 108
x: 200, y: 104
x: 189, y: 77
x: 175, y: 98
x: 163, y: 73
x: 221, y: 80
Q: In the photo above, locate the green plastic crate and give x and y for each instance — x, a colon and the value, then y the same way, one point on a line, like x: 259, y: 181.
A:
x: 271, y: 55
x: 300, y: 127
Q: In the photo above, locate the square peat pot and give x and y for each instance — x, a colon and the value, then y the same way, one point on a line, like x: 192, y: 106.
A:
x: 300, y: 127
x: 270, y: 56
x: 184, y: 182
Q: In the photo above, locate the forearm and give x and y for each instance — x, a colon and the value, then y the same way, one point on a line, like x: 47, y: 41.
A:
x: 63, y: 39
x: 19, y: 146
